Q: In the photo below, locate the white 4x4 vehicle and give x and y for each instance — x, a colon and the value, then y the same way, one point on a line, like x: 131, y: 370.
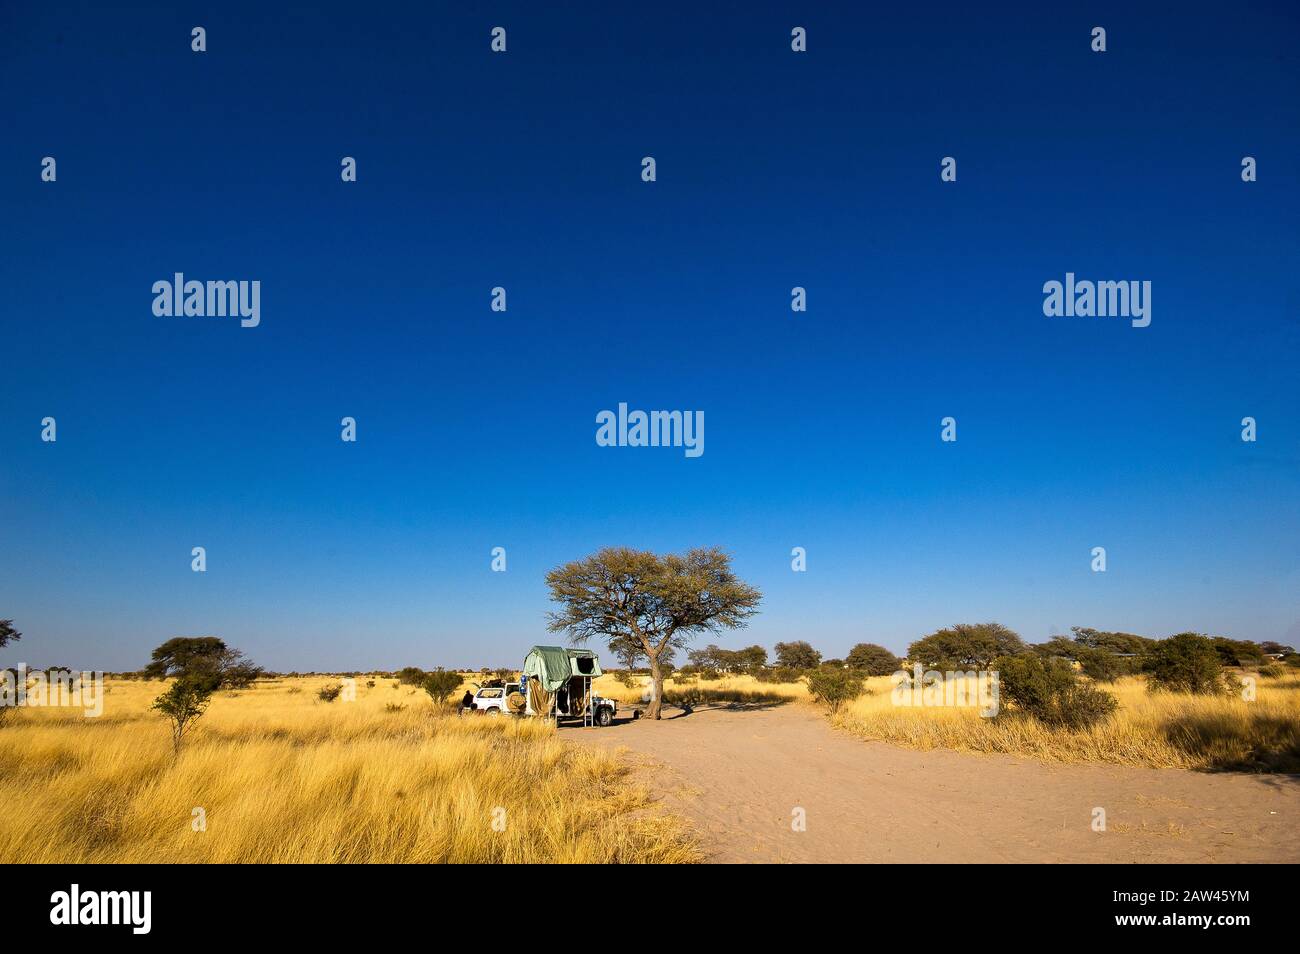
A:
x: 491, y: 700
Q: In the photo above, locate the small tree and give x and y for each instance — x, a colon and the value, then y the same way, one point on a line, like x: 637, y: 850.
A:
x: 439, y: 684
x: 797, y: 655
x: 834, y: 687
x: 183, y: 703
x: 872, y: 659
x: 1187, y: 662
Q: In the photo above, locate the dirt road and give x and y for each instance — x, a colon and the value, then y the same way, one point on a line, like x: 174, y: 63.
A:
x: 740, y: 776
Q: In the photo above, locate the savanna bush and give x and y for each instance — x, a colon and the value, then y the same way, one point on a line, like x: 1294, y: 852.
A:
x: 1188, y: 662
x: 440, y: 683
x: 834, y: 687
x: 330, y: 692
x: 1050, y: 691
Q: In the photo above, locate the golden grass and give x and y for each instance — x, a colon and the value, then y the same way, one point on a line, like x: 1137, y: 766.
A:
x: 284, y: 777
x: 1161, y: 730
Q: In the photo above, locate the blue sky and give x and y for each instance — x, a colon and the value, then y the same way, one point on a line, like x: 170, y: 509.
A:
x: 476, y: 429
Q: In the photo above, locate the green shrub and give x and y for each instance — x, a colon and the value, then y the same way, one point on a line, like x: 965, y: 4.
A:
x: 1050, y: 691
x: 440, y: 683
x: 411, y: 676
x: 1187, y: 662
x: 1272, y: 671
x: 710, y: 675
x: 834, y: 687
x: 330, y: 692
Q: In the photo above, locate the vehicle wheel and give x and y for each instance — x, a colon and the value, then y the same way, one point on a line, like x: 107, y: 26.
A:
x: 494, y: 712
x: 604, y: 717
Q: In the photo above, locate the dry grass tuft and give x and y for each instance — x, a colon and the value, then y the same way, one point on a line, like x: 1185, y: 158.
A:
x: 1161, y: 730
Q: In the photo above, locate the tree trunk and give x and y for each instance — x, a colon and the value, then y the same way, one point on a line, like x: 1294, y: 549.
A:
x: 657, y: 689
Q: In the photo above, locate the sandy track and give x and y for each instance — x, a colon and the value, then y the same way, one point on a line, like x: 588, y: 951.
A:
x: 738, y: 775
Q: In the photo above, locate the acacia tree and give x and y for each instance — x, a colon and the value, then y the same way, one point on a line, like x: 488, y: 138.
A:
x: 661, y: 602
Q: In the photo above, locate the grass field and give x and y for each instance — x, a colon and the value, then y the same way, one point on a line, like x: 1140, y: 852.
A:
x: 282, y: 777
x: 1159, y: 730
x: 277, y: 775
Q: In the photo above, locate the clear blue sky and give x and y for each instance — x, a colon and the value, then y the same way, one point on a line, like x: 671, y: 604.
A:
x: 477, y: 429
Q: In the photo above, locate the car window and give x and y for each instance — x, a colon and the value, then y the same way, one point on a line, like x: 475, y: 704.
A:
x: 491, y: 693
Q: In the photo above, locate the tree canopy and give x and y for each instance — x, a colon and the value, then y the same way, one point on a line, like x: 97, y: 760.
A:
x: 797, y: 654
x: 966, y: 646
x: 204, y: 661
x: 872, y: 659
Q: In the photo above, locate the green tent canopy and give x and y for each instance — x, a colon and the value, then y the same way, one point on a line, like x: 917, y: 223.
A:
x: 554, y: 666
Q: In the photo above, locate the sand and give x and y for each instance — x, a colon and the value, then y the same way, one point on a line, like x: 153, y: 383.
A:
x: 740, y: 775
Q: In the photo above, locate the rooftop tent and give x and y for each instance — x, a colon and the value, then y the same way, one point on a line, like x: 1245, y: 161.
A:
x: 554, y: 666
